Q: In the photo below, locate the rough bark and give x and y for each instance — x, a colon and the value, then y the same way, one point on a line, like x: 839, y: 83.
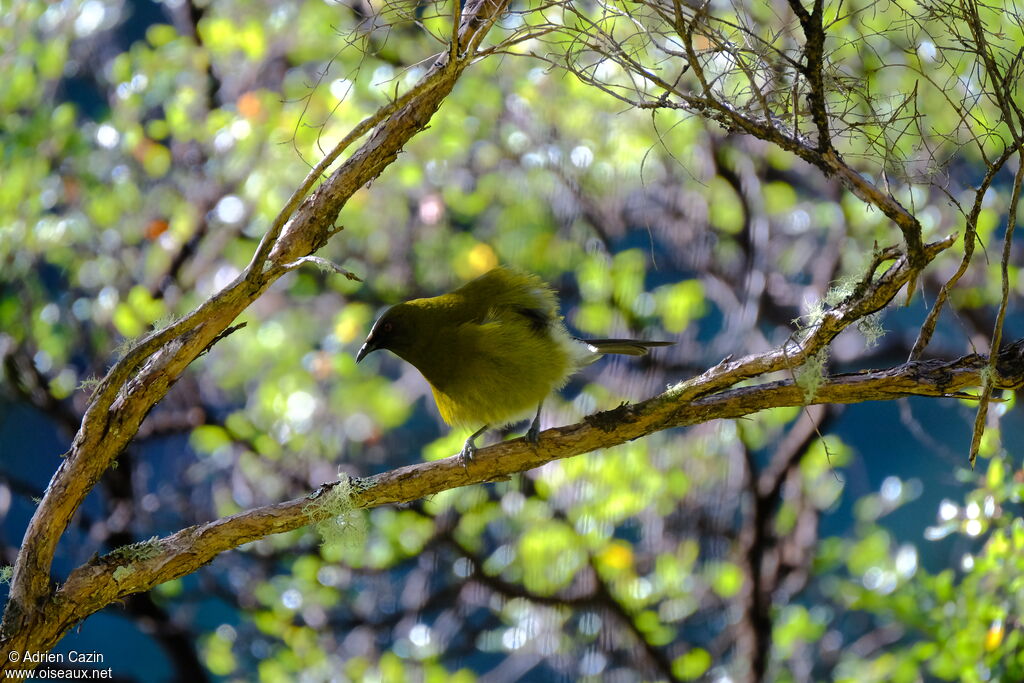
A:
x: 141, y: 567
x: 36, y: 614
x: 138, y: 568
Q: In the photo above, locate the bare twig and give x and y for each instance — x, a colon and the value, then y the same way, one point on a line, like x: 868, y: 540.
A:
x: 997, y: 332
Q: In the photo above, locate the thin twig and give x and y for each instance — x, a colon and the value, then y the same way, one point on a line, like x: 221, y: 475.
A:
x: 997, y: 332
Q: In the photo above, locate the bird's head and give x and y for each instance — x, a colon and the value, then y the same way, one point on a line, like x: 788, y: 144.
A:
x: 396, y: 330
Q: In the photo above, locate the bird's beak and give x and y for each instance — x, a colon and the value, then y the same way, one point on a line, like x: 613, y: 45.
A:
x: 367, y: 347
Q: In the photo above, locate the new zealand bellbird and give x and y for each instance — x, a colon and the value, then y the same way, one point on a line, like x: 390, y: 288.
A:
x: 492, y: 350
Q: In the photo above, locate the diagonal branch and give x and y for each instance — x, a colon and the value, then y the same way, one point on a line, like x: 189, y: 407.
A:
x: 868, y: 297
x: 145, y: 374
x: 997, y: 332
x: 114, y: 576
x: 704, y: 398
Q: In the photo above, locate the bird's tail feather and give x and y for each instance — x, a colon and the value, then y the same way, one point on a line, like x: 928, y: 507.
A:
x: 627, y: 347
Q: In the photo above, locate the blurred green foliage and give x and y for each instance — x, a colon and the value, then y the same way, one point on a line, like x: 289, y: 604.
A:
x: 138, y: 175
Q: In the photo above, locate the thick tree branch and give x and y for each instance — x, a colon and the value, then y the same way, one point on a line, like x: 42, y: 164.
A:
x: 140, y: 379
x: 869, y: 296
x: 117, y: 575
x: 30, y: 614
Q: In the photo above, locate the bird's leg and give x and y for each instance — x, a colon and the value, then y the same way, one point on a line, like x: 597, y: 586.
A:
x: 533, y: 433
x: 469, y: 448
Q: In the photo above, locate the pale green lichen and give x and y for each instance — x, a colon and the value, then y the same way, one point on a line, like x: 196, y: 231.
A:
x: 6, y: 572
x: 165, y: 321
x: 814, y: 315
x: 131, y: 553
x: 839, y: 291
x: 122, y: 573
x: 89, y: 384
x: 810, y: 376
x: 871, y: 327
x: 337, y: 519
x: 123, y: 347
x: 134, y: 552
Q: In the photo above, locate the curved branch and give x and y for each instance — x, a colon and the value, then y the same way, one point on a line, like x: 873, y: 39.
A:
x: 114, y: 576
x: 868, y: 297
x: 145, y: 374
x: 30, y: 614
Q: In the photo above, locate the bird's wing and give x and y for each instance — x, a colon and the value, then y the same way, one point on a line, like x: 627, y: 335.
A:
x: 537, y: 318
x: 522, y: 299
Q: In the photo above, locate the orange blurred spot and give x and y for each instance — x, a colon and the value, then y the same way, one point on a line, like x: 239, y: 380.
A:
x: 701, y: 43
x: 142, y: 150
x: 249, y: 105
x: 155, y: 228
x: 72, y: 189
x: 322, y: 365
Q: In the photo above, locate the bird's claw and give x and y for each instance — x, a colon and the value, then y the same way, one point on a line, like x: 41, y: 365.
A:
x: 468, y: 451
x: 467, y: 454
x: 533, y: 435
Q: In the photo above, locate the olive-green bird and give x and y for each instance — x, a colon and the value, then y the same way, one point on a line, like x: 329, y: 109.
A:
x: 492, y: 350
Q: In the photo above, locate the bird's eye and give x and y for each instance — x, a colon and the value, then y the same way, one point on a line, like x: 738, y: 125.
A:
x: 386, y: 327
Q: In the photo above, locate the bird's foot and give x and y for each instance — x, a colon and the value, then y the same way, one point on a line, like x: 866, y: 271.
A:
x: 532, y: 435
x: 467, y: 453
